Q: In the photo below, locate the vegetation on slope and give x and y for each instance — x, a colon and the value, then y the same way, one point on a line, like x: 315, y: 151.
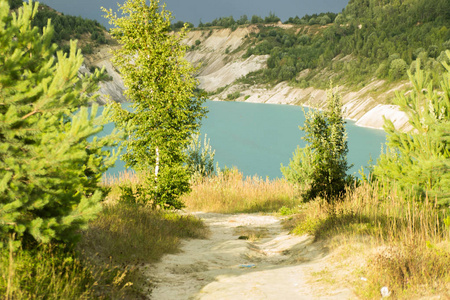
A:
x: 90, y: 33
x: 369, y: 39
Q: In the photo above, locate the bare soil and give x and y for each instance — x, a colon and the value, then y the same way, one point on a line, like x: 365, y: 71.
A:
x: 247, y: 256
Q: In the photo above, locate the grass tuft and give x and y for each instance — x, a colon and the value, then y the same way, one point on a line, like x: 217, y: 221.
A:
x: 133, y: 234
x: 230, y: 192
x: 54, y: 272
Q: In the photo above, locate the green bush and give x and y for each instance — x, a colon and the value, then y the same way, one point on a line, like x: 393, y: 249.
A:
x: 50, y: 169
x: 233, y: 96
x: 418, y: 161
x: 397, y: 69
x: 322, y: 165
x: 200, y: 159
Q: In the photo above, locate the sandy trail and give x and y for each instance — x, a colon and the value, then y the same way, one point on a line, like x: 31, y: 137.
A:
x: 225, y: 266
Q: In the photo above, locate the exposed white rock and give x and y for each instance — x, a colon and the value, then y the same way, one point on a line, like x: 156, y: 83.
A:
x: 228, y: 73
x: 374, y: 118
x: 113, y: 89
x: 108, y: 89
x: 220, y: 62
x: 219, y: 67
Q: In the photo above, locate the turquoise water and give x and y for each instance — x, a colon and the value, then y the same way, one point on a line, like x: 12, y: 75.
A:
x: 257, y: 138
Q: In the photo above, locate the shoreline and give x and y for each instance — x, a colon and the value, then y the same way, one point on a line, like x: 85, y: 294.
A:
x: 364, y: 112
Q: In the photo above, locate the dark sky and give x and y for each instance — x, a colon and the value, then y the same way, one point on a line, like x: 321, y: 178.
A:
x: 207, y: 10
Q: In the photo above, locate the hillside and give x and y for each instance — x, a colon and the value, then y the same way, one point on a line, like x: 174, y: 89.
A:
x: 92, y: 38
x: 219, y: 55
x: 366, y: 51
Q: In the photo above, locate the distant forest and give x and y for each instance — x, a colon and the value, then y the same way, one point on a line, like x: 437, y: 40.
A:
x: 68, y: 27
x: 370, y: 38
x: 230, y: 22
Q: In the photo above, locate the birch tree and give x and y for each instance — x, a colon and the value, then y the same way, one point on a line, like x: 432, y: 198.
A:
x: 160, y: 86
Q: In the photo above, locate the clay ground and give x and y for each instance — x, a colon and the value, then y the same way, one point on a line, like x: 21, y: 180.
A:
x: 247, y: 256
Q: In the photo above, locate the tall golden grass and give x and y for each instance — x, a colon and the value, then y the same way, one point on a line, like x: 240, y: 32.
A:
x: 231, y: 192
x: 410, y: 239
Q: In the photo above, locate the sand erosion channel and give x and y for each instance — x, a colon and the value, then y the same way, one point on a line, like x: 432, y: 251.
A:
x: 246, y: 256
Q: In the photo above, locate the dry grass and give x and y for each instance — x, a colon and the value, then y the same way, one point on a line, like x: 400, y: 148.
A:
x: 129, y: 237
x: 410, y: 239
x: 125, y: 178
x: 56, y: 272
x: 112, y: 251
x: 133, y: 234
x: 230, y: 192
x: 404, y: 244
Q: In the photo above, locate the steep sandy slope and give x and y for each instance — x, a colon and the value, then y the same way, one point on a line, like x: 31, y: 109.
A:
x: 108, y: 89
x: 219, y: 56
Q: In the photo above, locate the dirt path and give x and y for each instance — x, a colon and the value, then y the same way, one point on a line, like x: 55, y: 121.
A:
x: 229, y: 266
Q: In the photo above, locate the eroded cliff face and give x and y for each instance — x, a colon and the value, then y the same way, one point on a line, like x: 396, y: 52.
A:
x: 113, y: 89
x: 218, y: 54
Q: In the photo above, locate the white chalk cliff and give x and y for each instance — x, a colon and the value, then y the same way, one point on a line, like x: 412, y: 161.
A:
x: 218, y: 54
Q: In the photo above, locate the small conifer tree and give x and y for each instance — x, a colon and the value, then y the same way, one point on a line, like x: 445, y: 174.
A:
x: 49, y: 171
x: 321, y: 167
x: 419, y: 160
x: 160, y: 86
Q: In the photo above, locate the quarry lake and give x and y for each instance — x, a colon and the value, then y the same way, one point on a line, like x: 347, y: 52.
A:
x: 257, y: 138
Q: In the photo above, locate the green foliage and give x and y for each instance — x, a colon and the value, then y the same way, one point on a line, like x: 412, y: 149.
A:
x: 418, y: 161
x: 87, y: 49
x: 233, y: 96
x: 13, y: 4
x: 47, y: 272
x: 180, y: 24
x: 68, y: 27
x: 49, y: 170
x: 230, y: 22
x: 103, y: 74
x: 308, y: 226
x: 366, y: 33
x: 286, y: 211
x: 322, y: 164
x: 398, y: 68
x: 323, y: 19
x: 301, y: 167
x: 160, y: 85
x: 200, y: 159
x: 256, y: 19
x: 271, y: 18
